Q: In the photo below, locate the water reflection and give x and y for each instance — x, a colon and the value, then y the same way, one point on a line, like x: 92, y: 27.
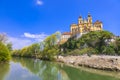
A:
x: 4, y: 69
x: 75, y: 74
x: 33, y: 69
x: 45, y: 70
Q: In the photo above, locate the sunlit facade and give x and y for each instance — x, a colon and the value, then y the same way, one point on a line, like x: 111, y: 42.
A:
x: 84, y: 26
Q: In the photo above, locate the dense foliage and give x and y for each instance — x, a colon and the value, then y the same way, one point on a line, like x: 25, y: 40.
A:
x: 30, y: 51
x: 96, y: 42
x: 4, y: 53
x: 5, y: 48
x: 117, y: 45
x: 9, y: 46
x: 44, y: 50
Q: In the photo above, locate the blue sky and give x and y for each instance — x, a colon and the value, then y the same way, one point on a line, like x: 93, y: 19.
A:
x: 28, y: 21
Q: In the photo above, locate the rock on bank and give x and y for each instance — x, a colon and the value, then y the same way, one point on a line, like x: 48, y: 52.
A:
x: 95, y: 61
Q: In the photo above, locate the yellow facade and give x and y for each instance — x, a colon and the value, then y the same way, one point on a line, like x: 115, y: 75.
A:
x: 85, y: 26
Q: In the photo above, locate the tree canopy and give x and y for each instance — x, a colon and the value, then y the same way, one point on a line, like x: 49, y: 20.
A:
x: 4, y: 53
x: 44, y: 50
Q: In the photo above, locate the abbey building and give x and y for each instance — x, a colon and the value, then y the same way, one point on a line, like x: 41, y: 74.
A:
x: 82, y: 27
x: 85, y: 25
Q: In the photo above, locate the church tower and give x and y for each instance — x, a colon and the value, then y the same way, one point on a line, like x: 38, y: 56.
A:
x: 80, y: 24
x: 80, y: 20
x: 83, y: 26
x: 89, y: 18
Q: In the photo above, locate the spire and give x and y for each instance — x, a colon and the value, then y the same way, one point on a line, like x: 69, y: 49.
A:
x: 80, y: 16
x: 80, y: 20
x: 89, y: 20
x: 89, y: 14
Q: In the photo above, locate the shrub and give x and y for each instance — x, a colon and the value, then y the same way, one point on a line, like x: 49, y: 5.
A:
x: 88, y: 51
x: 109, y: 50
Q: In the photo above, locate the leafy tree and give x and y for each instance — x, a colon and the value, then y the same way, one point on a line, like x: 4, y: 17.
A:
x: 9, y: 46
x: 4, y: 53
x: 50, y: 47
x: 30, y: 51
x: 109, y: 50
x: 117, y: 46
x: 44, y: 50
x: 16, y: 53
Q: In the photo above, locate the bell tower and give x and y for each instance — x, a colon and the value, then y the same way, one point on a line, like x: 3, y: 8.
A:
x: 89, y: 18
x: 80, y: 20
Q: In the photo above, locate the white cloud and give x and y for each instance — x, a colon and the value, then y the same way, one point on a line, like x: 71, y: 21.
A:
x: 38, y: 37
x: 26, y: 40
x: 19, y: 43
x: 39, y: 2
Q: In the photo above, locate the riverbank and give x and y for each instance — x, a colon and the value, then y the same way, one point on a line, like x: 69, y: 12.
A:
x: 102, y: 62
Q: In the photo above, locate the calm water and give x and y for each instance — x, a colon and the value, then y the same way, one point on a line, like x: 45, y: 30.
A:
x: 30, y: 69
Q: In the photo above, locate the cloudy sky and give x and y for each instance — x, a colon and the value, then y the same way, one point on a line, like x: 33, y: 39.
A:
x: 29, y: 21
x: 26, y: 39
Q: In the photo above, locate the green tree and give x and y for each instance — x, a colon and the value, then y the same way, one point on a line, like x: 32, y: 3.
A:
x: 109, y: 50
x: 50, y: 47
x: 44, y: 50
x: 117, y: 46
x: 4, y: 53
x: 9, y: 46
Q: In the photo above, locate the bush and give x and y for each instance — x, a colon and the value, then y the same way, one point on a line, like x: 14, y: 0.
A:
x: 88, y: 51
x: 4, y: 53
x: 109, y: 50
x: 74, y: 52
x: 49, y: 53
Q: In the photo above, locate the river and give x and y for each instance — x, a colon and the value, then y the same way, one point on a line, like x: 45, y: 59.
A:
x: 34, y: 69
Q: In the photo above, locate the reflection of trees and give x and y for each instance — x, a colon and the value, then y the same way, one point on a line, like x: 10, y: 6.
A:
x: 77, y: 74
x: 45, y: 70
x: 52, y: 71
x: 4, y: 69
x: 28, y: 63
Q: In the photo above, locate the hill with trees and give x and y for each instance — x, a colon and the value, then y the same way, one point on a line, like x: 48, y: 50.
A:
x: 96, y: 42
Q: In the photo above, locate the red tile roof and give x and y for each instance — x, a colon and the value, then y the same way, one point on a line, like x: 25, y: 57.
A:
x: 66, y: 33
